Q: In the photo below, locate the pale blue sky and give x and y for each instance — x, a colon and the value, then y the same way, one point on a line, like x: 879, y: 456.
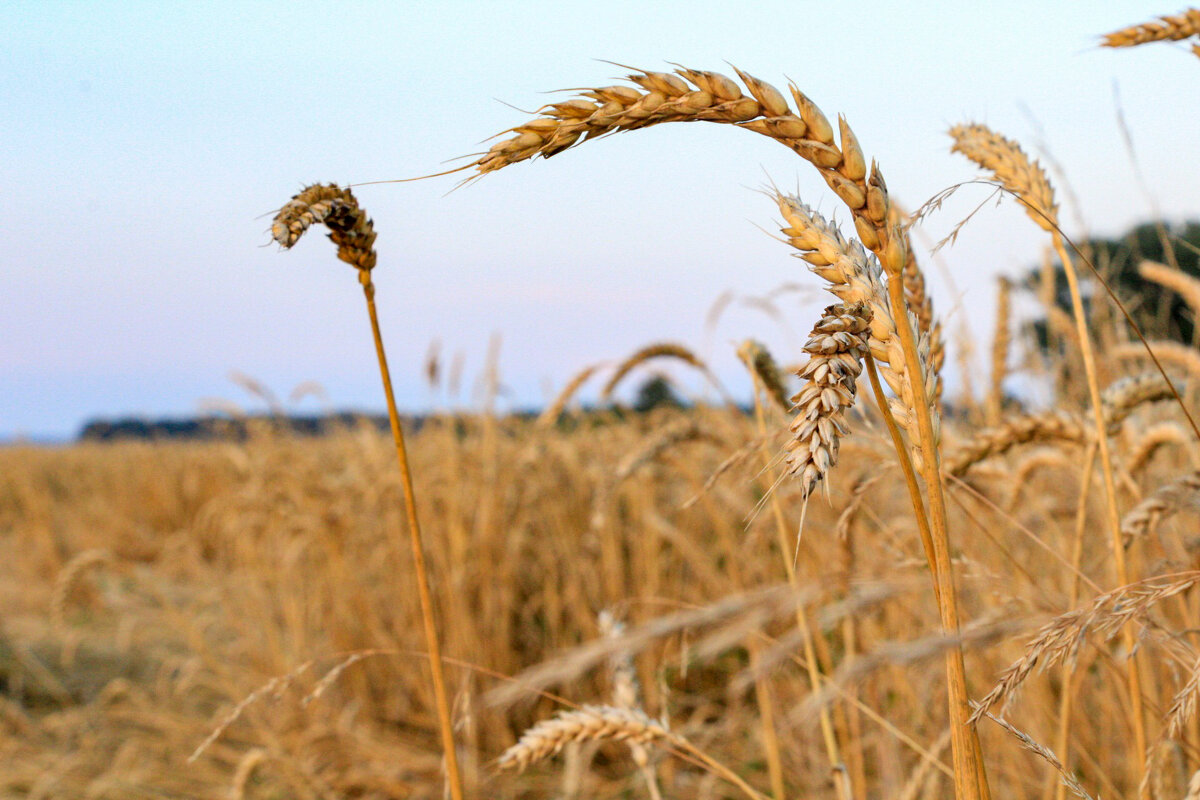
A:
x: 141, y: 142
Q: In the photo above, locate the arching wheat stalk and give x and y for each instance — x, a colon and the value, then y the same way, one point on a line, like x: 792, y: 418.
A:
x: 354, y: 234
x: 1027, y: 180
x: 693, y: 95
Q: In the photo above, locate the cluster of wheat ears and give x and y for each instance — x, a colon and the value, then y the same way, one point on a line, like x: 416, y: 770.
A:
x: 540, y: 527
x: 884, y: 320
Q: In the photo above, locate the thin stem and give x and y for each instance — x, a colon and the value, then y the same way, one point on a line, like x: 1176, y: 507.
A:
x: 1110, y: 490
x: 1062, y: 742
x: 453, y: 778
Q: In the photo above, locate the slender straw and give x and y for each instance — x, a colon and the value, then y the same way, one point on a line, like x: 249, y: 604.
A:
x: 453, y: 777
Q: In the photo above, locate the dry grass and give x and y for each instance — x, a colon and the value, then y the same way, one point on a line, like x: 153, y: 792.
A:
x: 245, y: 603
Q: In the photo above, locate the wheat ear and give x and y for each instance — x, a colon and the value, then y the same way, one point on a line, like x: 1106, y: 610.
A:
x: 1168, y: 352
x: 556, y: 408
x: 836, y: 348
x: 1152, y: 439
x: 353, y: 233
x: 70, y: 576
x: 1106, y: 616
x: 652, y: 351
x: 758, y: 360
x: 1166, y: 500
x: 1178, y: 281
x: 690, y: 95
x: 1027, y: 180
x: 1166, y: 28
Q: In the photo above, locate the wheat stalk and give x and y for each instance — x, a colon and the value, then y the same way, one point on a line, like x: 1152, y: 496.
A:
x: 1026, y: 179
x: 1000, y: 343
x: 353, y: 233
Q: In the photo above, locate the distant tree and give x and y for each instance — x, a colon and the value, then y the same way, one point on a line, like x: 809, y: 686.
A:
x: 1159, y: 312
x: 654, y: 393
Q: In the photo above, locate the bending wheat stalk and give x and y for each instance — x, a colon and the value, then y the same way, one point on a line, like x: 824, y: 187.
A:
x: 352, y: 231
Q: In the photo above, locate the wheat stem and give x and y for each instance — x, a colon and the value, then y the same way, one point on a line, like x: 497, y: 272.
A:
x: 453, y: 776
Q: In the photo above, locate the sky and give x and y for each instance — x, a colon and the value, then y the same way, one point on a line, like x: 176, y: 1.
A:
x: 141, y: 145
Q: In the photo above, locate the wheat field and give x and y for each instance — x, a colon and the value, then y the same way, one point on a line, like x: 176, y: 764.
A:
x: 859, y: 586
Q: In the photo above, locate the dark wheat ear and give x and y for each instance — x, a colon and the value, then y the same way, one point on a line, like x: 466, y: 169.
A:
x: 350, y: 227
x: 836, y: 349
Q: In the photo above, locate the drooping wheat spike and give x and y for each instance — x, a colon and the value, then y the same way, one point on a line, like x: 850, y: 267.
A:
x: 1105, y: 616
x: 245, y: 768
x: 659, y: 350
x: 1152, y: 439
x: 1050, y: 426
x: 589, y: 723
x: 350, y: 227
x: 836, y: 349
x: 1169, y: 499
x: 68, y: 579
x: 760, y: 362
x: 1168, y: 352
x: 556, y: 408
x: 1185, y: 285
x: 1000, y: 341
x: 1166, y: 28
x: 1121, y: 398
x: 1011, y: 167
